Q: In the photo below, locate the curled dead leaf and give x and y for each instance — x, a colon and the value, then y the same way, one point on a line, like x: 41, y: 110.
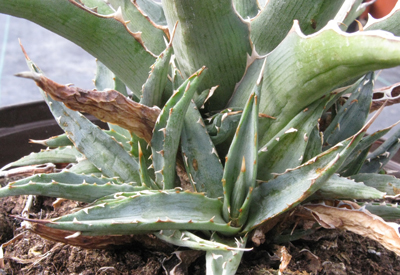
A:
x: 386, y: 95
x: 109, y: 106
x: 359, y: 221
x: 93, y: 242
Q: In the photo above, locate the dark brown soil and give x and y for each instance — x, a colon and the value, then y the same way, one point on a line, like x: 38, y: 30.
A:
x: 324, y: 252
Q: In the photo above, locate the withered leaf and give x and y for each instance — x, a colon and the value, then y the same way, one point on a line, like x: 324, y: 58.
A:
x: 359, y: 221
x: 109, y: 105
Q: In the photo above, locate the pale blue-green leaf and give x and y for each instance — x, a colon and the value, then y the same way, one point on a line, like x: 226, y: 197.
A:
x: 271, y: 26
x: 58, y: 155
x: 314, y: 144
x: 56, y: 141
x: 342, y: 188
x: 154, y: 10
x: 63, y: 140
x: 146, y: 151
x: 67, y: 185
x: 390, y: 22
x: 352, y: 115
x: 225, y: 262
x: 222, y: 126
x: 350, y: 11
x: 386, y: 211
x: 146, y: 211
x: 152, y: 36
x: 302, y: 69
x: 294, y: 186
x: 168, y: 128
x: 85, y: 167
x: 105, y: 79
x: 287, y: 148
x: 99, y: 6
x: 110, y: 40
x: 99, y: 148
x: 200, y: 156
x: 384, y: 183
x: 355, y: 161
x: 190, y: 240
x: 210, y: 33
x: 242, y: 159
x: 152, y: 90
x: 380, y: 156
x: 246, y: 8
x: 146, y: 180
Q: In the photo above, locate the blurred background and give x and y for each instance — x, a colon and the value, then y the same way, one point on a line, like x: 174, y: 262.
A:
x: 64, y: 62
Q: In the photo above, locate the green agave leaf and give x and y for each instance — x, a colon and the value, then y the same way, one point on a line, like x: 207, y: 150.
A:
x: 188, y: 239
x: 63, y: 140
x: 146, y: 211
x: 144, y: 171
x: 287, y: 148
x: 209, y: 33
x: 274, y: 22
x: 154, y: 10
x: 388, y: 23
x: 98, y: 147
x: 106, y: 79
x: 351, y: 117
x: 104, y: 33
x: 247, y: 9
x: 380, y: 156
x: 177, y: 78
x: 384, y: 183
x: 67, y: 185
x: 222, y: 126
x: 99, y: 6
x: 167, y: 130
x: 225, y: 262
x: 53, y: 142
x: 315, y: 65
x: 58, y: 155
x: 145, y: 149
x: 204, y: 169
x: 355, y: 161
x: 386, y: 211
x: 294, y: 186
x: 85, y: 167
x: 152, y: 37
x: 314, y: 144
x: 239, y: 177
x: 342, y: 188
x: 154, y: 87
x: 350, y: 10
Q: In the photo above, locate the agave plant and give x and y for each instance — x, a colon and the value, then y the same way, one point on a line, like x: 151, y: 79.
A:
x: 230, y: 113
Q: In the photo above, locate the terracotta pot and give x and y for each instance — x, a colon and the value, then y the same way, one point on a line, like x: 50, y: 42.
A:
x: 380, y: 8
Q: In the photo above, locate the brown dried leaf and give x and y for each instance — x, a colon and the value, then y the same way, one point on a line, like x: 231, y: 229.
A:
x: 390, y: 95
x: 285, y: 259
x: 109, y: 106
x: 359, y: 221
x: 26, y: 171
x: 94, y: 242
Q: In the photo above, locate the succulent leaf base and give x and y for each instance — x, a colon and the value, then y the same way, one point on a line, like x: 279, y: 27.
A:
x: 225, y: 117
